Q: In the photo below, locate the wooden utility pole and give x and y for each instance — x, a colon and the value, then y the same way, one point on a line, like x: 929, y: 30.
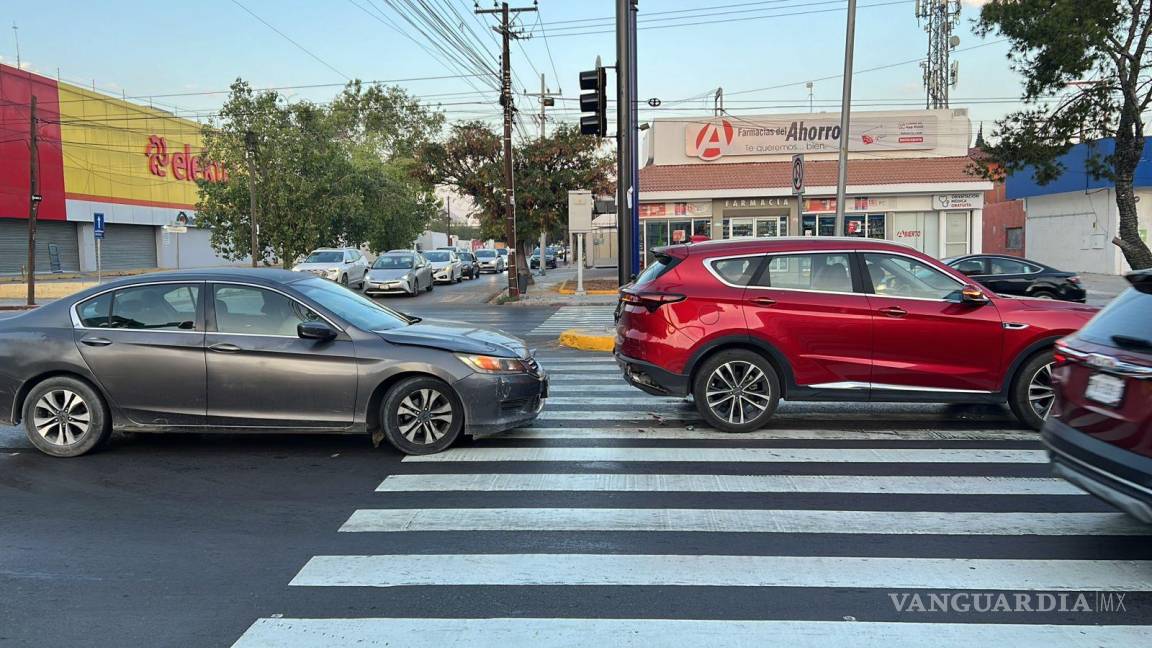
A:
x: 250, y: 145
x: 33, y: 199
x: 505, y: 30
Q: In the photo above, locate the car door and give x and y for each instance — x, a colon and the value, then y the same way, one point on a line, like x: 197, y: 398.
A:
x: 261, y: 374
x: 808, y: 305
x: 361, y: 267
x: 1009, y: 276
x: 923, y: 341
x: 145, y: 346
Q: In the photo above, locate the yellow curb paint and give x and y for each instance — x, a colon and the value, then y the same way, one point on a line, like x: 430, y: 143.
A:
x: 53, y: 289
x: 566, y: 291
x: 583, y: 341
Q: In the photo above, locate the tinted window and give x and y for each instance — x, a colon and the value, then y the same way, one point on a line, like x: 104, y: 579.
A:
x: 351, y: 306
x: 821, y: 272
x: 325, y: 257
x: 95, y: 312
x: 438, y: 257
x: 1010, y: 266
x: 255, y: 311
x: 1129, y: 315
x: 970, y: 266
x: 394, y: 262
x: 899, y: 276
x: 656, y: 269
x: 485, y: 254
x: 738, y: 271
x: 160, y: 307
x: 466, y: 256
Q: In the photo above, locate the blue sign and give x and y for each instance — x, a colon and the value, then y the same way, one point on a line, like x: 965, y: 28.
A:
x: 98, y: 225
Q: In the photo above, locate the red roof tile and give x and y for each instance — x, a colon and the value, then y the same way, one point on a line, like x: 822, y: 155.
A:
x: 821, y: 173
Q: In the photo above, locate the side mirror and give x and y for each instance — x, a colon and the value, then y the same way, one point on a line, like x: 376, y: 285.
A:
x: 315, y: 330
x: 969, y: 294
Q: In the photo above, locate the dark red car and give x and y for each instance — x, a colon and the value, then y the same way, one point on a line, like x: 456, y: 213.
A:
x: 740, y: 324
x: 1099, y: 435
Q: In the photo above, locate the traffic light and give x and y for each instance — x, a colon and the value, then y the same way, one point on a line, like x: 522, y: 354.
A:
x: 594, y: 105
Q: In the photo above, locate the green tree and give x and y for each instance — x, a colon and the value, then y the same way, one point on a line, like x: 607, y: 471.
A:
x: 1090, y: 55
x: 470, y: 159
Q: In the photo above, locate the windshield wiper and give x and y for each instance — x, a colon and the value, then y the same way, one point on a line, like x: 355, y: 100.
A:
x: 1131, y: 342
x: 412, y: 319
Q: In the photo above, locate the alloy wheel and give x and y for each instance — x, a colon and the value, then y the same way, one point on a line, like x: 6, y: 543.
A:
x: 62, y: 417
x: 738, y: 392
x: 1041, y: 395
x: 424, y: 416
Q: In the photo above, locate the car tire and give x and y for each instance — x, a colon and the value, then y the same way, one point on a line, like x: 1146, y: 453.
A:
x: 1043, y: 294
x: 343, y: 280
x: 736, y: 374
x: 86, y: 419
x: 421, y: 416
x: 1031, y: 395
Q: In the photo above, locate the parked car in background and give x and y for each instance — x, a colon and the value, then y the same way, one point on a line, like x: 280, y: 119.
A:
x: 468, y: 267
x: 489, y: 261
x: 1005, y: 275
x: 549, y: 258
x: 445, y: 266
x: 1099, y: 436
x: 741, y: 324
x: 260, y: 351
x: 503, y: 252
x: 346, y: 266
x: 399, y: 272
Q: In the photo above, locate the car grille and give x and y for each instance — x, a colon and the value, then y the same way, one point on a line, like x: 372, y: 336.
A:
x: 533, y: 366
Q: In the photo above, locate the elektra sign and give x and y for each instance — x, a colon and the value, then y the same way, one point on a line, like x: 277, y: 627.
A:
x: 715, y: 140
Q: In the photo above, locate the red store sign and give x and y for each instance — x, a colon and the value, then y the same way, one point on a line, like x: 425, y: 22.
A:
x: 182, y: 164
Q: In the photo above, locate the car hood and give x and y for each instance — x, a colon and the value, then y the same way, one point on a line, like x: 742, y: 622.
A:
x: 458, y: 337
x: 388, y: 274
x: 304, y: 267
x: 439, y: 265
x: 1050, y: 313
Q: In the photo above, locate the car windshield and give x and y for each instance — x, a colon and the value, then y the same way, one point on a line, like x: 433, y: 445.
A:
x: 535, y: 251
x: 485, y: 254
x: 438, y: 257
x: 502, y: 251
x: 466, y: 256
x: 325, y: 257
x: 1123, y: 322
x: 361, y: 312
x: 393, y: 262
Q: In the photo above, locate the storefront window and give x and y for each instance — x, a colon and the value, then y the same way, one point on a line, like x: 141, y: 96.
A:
x: 818, y: 225
x: 679, y: 231
x: 772, y: 226
x: 862, y: 225
x: 702, y: 227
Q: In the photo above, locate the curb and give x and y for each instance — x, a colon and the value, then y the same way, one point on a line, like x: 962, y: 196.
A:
x: 587, y: 340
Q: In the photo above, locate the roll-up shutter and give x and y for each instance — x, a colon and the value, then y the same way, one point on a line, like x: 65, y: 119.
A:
x: 128, y: 246
x: 14, y: 245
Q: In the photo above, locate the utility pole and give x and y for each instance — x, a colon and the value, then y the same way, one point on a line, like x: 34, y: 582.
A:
x: 505, y: 31
x: 546, y: 98
x: 627, y: 198
x: 16, y: 35
x: 34, y: 198
x: 845, y: 116
x: 250, y: 143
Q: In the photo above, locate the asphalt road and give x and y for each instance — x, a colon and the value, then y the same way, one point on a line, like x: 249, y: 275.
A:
x: 612, y: 515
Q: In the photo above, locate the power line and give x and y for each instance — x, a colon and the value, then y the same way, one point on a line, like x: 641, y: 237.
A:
x: 290, y: 40
x: 708, y: 12
x: 612, y: 19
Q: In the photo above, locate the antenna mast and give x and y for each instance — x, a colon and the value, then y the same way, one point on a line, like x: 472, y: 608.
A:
x: 939, y: 17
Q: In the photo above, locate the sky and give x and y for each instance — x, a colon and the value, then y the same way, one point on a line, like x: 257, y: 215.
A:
x: 686, y: 50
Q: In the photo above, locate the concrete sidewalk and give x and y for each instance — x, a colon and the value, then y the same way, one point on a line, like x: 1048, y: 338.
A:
x: 546, y: 291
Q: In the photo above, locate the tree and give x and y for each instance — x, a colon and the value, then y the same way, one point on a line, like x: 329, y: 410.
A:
x: 470, y: 159
x: 326, y: 175
x: 1088, y: 54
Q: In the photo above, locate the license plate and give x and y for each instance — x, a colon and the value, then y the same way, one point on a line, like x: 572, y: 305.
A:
x: 1106, y: 389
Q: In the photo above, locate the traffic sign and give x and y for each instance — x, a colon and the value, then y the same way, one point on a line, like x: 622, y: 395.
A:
x: 98, y: 225
x: 798, y: 174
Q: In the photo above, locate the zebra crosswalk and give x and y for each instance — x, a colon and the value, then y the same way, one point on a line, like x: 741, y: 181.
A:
x: 579, y: 317
x: 619, y: 519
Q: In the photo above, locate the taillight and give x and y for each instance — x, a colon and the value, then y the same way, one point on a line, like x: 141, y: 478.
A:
x: 650, y: 300
x: 1074, y: 280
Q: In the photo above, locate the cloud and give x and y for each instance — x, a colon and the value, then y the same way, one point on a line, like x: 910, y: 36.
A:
x: 974, y: 3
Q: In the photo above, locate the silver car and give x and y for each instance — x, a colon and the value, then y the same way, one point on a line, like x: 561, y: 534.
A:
x: 343, y: 265
x: 445, y: 266
x: 489, y: 261
x: 399, y: 272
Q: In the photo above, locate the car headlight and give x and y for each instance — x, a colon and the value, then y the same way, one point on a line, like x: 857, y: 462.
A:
x: 333, y: 273
x: 493, y: 364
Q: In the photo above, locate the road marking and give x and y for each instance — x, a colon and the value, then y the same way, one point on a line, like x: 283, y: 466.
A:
x: 724, y: 571
x: 783, y: 455
x: 576, y: 317
x: 768, y: 434
x: 745, y: 521
x: 673, y: 633
x: 614, y: 400
x: 587, y: 482
x: 653, y: 411
x: 620, y: 388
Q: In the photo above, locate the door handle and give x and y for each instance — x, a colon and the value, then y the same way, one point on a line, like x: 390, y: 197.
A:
x: 224, y: 347
x: 894, y: 311
x: 96, y: 341
x: 763, y: 301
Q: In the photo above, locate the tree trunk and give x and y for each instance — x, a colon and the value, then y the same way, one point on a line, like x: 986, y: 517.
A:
x: 1126, y: 158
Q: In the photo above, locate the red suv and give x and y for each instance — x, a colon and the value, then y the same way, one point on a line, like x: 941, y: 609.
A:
x: 1100, y: 433
x: 740, y: 324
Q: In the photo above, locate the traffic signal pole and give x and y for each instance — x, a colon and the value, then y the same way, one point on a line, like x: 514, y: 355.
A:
x: 625, y: 135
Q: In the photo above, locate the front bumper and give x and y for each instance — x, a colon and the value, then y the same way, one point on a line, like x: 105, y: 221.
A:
x: 1113, y: 474
x: 651, y: 378
x: 517, y: 402
x: 385, y: 287
x: 443, y: 277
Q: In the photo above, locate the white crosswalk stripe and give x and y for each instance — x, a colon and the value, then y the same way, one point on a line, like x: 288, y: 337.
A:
x: 583, y: 317
x: 625, y: 494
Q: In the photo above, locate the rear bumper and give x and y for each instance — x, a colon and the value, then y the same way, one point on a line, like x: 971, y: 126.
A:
x: 518, y: 401
x: 651, y: 378
x: 1113, y: 474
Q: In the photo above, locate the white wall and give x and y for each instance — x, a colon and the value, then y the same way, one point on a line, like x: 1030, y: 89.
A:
x: 195, y: 250
x: 1073, y: 231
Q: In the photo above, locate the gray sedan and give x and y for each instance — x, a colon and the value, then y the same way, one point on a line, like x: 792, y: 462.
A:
x: 399, y: 272
x: 260, y: 351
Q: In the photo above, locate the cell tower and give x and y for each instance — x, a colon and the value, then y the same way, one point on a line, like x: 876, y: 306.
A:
x: 938, y: 18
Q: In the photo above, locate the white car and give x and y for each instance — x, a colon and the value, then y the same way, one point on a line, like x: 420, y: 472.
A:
x: 445, y: 266
x: 489, y: 260
x: 346, y: 266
